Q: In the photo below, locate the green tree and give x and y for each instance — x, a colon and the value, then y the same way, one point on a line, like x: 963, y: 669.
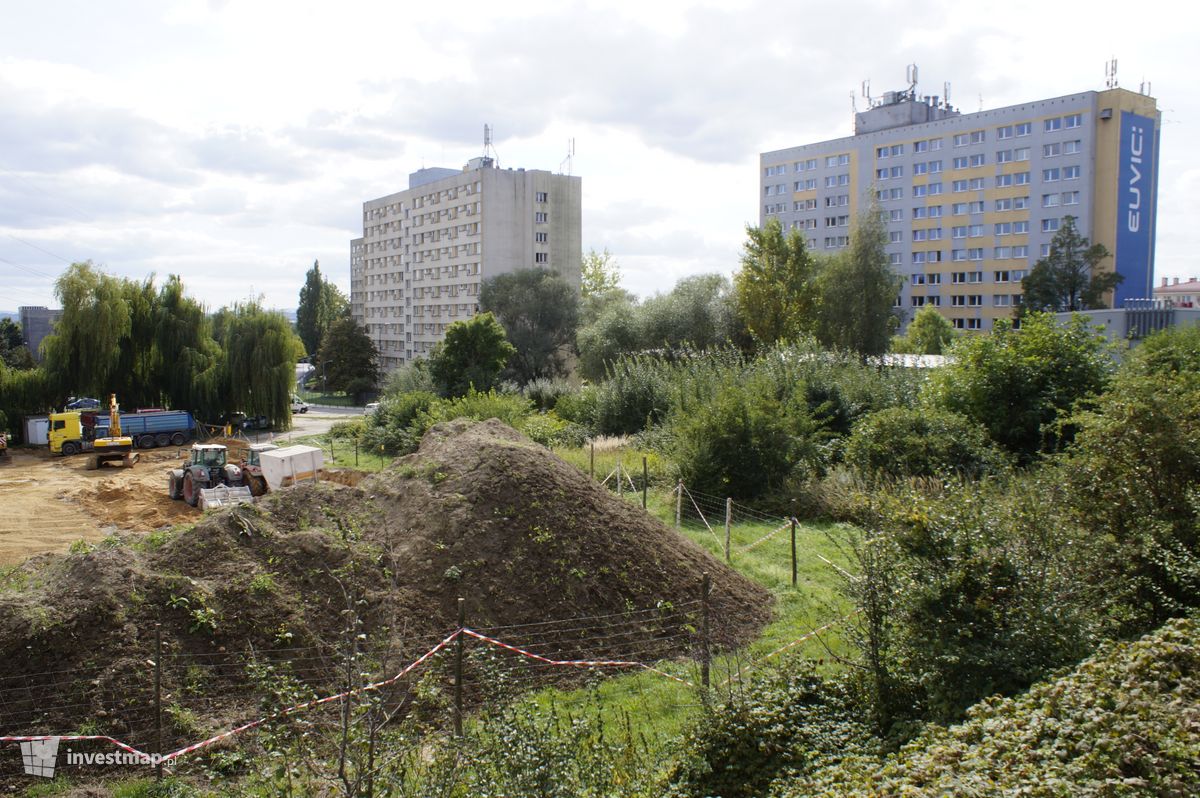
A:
x: 188, y: 357
x: 539, y: 311
x: 615, y: 331
x: 1017, y: 383
x: 1068, y: 279
x: 774, y: 288
x: 904, y: 442
x: 348, y: 360
x: 259, y: 351
x: 473, y: 353
x: 600, y: 274
x: 930, y: 333
x: 84, y: 352
x: 857, y: 291
x: 321, y: 303
x: 13, y: 351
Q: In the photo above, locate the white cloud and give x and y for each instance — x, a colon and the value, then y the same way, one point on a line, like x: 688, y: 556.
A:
x: 233, y: 143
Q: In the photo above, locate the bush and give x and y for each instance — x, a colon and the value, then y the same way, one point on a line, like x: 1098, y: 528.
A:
x: 1019, y: 383
x: 744, y: 443
x: 391, y: 426
x: 545, y: 392
x: 634, y: 396
x: 900, y: 442
x: 580, y: 407
x: 790, y: 721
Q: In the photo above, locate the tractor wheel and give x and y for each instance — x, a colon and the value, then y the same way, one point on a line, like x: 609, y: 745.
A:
x: 178, y: 439
x: 191, y: 494
x: 69, y: 448
x: 257, y: 485
x: 174, y: 489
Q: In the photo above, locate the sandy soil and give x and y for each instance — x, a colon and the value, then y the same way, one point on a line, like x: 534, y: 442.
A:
x: 47, y: 503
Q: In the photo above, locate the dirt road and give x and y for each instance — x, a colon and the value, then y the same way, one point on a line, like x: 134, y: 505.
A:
x: 47, y: 503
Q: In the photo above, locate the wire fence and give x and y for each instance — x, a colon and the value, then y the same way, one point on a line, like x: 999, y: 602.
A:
x: 176, y: 705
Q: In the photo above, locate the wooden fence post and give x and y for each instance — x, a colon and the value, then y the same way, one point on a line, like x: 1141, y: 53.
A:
x: 592, y: 462
x: 793, y: 551
x: 679, y: 504
x: 705, y: 651
x: 458, y: 669
x: 728, y: 525
x: 645, y: 481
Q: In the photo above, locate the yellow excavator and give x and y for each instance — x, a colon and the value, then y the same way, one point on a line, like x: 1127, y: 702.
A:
x: 114, y: 447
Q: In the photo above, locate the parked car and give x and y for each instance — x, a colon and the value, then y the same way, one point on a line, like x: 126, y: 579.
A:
x: 83, y: 403
x: 370, y: 408
x: 299, y: 405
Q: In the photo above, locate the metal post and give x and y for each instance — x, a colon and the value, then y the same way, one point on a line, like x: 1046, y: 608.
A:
x: 356, y: 452
x: 645, y: 481
x: 705, y: 654
x: 458, y: 670
x: 793, y: 551
x: 728, y: 525
x: 679, y: 504
x: 158, y: 727
x: 592, y: 462
x: 618, y: 476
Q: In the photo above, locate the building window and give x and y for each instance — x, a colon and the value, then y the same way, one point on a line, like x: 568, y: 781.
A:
x: 1052, y: 150
x: 978, y: 159
x: 896, y: 215
x: 1020, y: 228
x: 975, y: 207
x: 1072, y: 120
x: 935, y: 167
x: 541, y: 217
x: 935, y: 211
x: 1002, y: 253
x: 1051, y: 175
x: 961, y: 140
x: 918, y: 257
x: 978, y: 136
x: 541, y: 257
x: 1020, y: 252
x: 1004, y: 156
x: 895, y: 258
x: 959, y: 232
x: 1000, y: 277
x: 1072, y: 147
x: 1051, y: 125
x: 919, y: 191
x: 935, y: 233
x: 959, y: 185
x: 958, y: 301
x: 1005, y: 132
x: 975, y: 184
x: 1021, y: 178
x: 542, y: 196
x: 1070, y: 173
x: 1003, y: 181
x: 919, y: 213
x: 1020, y: 203
x: 1003, y: 229
x: 541, y: 238
x: 920, y: 168
x: 960, y: 162
x: 1049, y: 225
x: 1070, y: 198
x: 881, y: 152
x: 1021, y: 153
x: 895, y: 236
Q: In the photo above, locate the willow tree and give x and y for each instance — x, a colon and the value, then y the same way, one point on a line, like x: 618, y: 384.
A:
x: 84, y: 353
x: 258, y: 361
x: 188, y: 357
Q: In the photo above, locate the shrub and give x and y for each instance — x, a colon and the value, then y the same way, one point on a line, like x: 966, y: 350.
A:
x: 634, y: 396
x: 744, y: 443
x: 391, y: 426
x: 512, y: 409
x: 901, y: 442
x: 545, y: 392
x: 790, y: 721
x: 579, y: 407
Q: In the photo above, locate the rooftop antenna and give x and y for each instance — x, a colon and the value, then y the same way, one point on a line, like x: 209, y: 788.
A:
x: 568, y: 160
x: 1110, y: 74
x: 488, y: 149
x: 981, y: 102
x: 946, y: 94
x: 853, y: 102
x: 1145, y: 88
x: 910, y: 74
x: 866, y: 92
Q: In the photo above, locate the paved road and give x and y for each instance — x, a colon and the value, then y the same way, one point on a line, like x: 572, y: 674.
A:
x: 320, y: 418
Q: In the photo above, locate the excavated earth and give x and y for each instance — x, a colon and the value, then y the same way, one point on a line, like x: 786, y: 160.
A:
x: 478, y: 512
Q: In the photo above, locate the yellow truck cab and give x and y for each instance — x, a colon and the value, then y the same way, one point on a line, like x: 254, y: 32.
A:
x: 67, y: 434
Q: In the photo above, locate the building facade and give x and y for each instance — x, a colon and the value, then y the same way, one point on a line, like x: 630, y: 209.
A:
x: 425, y: 251
x: 36, y: 323
x: 1179, y: 294
x: 972, y: 201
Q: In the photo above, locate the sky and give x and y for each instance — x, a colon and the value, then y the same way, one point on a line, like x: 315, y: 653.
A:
x: 233, y: 143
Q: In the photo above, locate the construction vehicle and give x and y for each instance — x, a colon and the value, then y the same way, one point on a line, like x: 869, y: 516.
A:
x: 268, y: 467
x: 112, y: 447
x: 205, y: 468
x: 5, y: 457
x: 75, y: 431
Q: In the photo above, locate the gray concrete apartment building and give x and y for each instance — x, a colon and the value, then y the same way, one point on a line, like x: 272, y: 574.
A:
x: 425, y: 251
x: 37, y: 322
x: 972, y: 201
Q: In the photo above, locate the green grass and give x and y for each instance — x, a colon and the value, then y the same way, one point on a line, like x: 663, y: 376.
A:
x: 343, y: 453
x: 330, y: 398
x: 659, y: 707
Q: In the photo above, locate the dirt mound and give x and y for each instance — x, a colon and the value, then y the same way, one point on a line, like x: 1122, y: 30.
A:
x: 479, y: 512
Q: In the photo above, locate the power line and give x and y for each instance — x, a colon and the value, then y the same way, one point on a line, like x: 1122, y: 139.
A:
x: 39, y: 249
x: 28, y: 269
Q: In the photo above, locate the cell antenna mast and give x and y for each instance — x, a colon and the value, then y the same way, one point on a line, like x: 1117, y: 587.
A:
x: 488, y: 149
x: 946, y: 94
x: 1110, y: 74
x: 910, y: 74
x: 567, y: 162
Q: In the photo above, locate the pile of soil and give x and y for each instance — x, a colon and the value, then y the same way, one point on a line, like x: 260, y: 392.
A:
x: 478, y: 511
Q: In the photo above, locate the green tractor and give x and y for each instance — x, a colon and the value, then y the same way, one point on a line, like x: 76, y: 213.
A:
x: 205, y: 468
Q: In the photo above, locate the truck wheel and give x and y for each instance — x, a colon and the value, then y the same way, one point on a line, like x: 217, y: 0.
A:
x: 162, y: 439
x: 146, y: 442
x: 190, y: 494
x: 178, y: 439
x: 69, y: 448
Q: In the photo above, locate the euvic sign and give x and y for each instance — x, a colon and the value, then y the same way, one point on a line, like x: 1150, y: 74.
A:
x: 1135, y: 205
